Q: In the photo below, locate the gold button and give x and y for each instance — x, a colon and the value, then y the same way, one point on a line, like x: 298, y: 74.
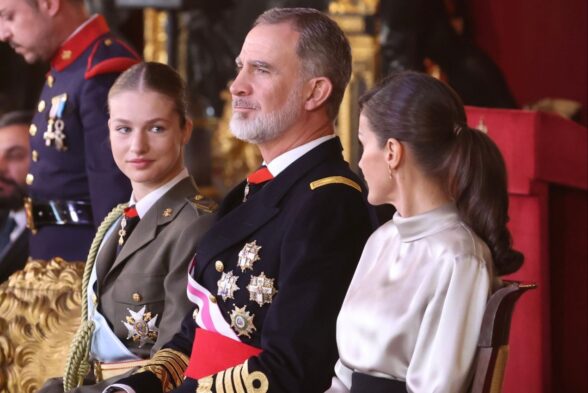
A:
x: 137, y: 297
x: 108, y: 42
x: 167, y: 212
x: 198, y: 197
x: 66, y: 55
x: 41, y: 106
x: 33, y: 130
x: 219, y: 266
x: 195, y: 314
x: 94, y: 299
x: 30, y: 178
x: 50, y: 80
x: 35, y: 155
x: 212, y: 298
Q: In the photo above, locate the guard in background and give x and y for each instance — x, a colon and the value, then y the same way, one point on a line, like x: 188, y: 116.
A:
x: 14, y: 164
x: 73, y: 179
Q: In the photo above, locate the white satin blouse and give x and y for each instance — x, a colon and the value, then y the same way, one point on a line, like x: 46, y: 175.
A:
x: 414, y: 308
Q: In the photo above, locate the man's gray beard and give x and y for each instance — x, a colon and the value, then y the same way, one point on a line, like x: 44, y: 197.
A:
x: 265, y: 127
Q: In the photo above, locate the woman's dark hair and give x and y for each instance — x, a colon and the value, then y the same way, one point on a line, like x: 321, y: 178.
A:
x: 429, y: 118
x: 156, y: 77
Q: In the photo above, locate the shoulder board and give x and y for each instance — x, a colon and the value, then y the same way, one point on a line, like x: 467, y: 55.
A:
x: 110, y: 55
x: 204, y: 204
x: 334, y: 180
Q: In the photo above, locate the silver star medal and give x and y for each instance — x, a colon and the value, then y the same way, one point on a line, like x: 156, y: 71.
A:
x: 242, y: 321
x: 141, y: 326
x: 227, y: 285
x: 248, y: 255
x: 261, y: 289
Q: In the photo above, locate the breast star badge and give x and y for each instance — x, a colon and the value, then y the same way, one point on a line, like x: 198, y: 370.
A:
x: 248, y: 255
x: 261, y: 289
x: 141, y: 326
x: 227, y: 285
x: 242, y: 322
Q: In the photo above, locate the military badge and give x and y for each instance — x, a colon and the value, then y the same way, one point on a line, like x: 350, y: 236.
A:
x: 248, y: 255
x: 141, y: 327
x: 242, y: 322
x: 261, y: 289
x: 227, y: 285
x: 55, y: 124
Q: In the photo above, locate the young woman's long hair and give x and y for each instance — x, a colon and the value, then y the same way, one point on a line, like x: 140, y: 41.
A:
x: 429, y: 117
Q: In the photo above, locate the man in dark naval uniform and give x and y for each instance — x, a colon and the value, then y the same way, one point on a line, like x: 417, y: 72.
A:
x: 73, y: 180
x: 270, y: 276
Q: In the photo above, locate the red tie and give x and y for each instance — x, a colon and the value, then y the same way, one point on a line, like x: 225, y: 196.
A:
x: 256, y: 180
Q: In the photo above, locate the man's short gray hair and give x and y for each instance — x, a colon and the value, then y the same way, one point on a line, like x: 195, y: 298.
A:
x: 322, y: 48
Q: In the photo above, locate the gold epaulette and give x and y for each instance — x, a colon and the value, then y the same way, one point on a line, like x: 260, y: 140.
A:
x: 204, y: 204
x: 334, y: 180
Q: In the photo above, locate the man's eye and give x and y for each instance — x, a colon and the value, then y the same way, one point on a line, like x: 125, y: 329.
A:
x: 157, y: 129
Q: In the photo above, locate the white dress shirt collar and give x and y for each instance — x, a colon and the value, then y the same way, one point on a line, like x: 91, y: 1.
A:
x: 284, y: 160
x: 149, y: 200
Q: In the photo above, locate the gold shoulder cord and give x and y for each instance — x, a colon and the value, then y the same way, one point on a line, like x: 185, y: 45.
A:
x: 334, y: 180
x: 77, y: 365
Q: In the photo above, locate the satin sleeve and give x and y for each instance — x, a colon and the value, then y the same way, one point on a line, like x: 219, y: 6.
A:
x: 447, y: 339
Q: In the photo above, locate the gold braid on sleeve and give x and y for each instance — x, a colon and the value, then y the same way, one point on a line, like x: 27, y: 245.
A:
x: 168, y: 366
x: 236, y: 379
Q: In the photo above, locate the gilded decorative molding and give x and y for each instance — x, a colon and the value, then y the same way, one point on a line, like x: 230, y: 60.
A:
x: 356, y: 18
x: 39, y: 313
x: 155, y: 36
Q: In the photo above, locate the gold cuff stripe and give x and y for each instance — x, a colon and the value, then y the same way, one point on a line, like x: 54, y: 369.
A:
x: 334, y: 180
x: 219, y: 382
x: 205, y: 385
x: 168, y: 366
x: 234, y: 380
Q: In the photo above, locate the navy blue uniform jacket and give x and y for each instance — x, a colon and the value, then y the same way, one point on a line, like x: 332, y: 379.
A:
x: 82, y: 72
x: 311, y: 239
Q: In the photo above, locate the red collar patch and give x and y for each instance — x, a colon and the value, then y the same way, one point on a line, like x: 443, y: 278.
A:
x: 73, y: 47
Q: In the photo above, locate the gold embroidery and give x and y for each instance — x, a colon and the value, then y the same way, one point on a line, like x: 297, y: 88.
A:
x: 256, y: 382
x: 334, y: 180
x: 205, y: 385
x: 227, y: 380
x: 237, y: 379
x: 219, y: 382
x: 168, y: 366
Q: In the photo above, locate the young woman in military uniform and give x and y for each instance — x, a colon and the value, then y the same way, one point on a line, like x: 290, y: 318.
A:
x: 136, y: 274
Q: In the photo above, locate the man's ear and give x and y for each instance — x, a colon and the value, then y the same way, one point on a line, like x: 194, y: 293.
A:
x: 394, y: 153
x: 49, y: 7
x: 319, y: 91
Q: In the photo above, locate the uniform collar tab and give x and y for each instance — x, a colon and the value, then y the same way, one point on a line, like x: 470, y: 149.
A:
x: 78, y: 42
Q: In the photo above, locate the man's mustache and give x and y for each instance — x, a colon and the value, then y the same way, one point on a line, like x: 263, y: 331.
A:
x: 244, y: 104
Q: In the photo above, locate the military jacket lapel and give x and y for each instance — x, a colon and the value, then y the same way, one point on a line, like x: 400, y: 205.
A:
x: 239, y: 220
x: 146, y: 230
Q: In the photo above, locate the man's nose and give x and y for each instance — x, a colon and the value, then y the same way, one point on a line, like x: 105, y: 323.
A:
x: 3, y: 33
x: 240, y: 86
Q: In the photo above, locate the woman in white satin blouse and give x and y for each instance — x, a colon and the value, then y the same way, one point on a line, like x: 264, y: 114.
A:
x: 412, y: 315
